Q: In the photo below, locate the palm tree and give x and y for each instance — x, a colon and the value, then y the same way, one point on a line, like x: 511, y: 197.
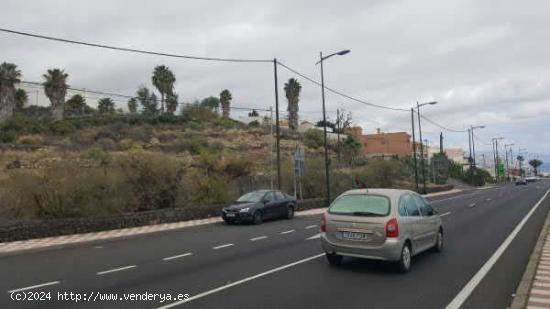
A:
x: 535, y: 163
x: 292, y: 92
x: 55, y: 87
x: 225, y: 101
x: 76, y: 106
x: 21, y: 99
x: 163, y: 79
x: 171, y: 103
x: 9, y: 77
x: 148, y: 101
x: 106, y: 106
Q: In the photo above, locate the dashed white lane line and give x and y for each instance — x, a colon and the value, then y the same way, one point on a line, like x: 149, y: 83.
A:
x: 311, y: 227
x: 461, y: 297
x: 227, y: 286
x: 177, y: 256
x: 287, y: 232
x: 222, y: 246
x: 115, y: 270
x: 258, y: 238
x: 445, y: 214
x: 314, y: 237
x: 33, y: 287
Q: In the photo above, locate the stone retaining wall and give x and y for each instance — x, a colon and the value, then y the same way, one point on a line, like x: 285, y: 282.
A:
x: 56, y: 227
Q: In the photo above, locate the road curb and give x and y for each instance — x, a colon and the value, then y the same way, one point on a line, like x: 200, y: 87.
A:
x: 522, y: 292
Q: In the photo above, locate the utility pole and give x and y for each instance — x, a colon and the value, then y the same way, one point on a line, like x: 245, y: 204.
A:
x: 414, y: 151
x: 441, y: 142
x: 277, y: 129
x: 470, y: 159
x: 271, y: 149
x: 338, y: 120
x: 421, y: 150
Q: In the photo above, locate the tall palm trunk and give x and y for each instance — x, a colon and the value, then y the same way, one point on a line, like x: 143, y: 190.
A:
x: 7, y: 102
x: 58, y: 108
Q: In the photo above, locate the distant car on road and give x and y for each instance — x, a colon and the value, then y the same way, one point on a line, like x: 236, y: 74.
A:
x: 380, y: 224
x: 531, y: 179
x: 260, y: 205
x: 521, y: 181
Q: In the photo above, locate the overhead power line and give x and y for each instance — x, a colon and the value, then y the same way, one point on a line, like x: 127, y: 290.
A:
x: 441, y: 126
x: 125, y: 49
x: 339, y: 92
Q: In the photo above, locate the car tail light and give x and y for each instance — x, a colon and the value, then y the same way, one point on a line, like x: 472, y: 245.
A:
x: 323, y: 225
x: 392, y: 228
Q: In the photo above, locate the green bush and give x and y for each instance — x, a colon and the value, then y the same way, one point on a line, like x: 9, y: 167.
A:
x: 156, y: 180
x: 313, y: 138
x: 254, y: 124
x: 62, y: 127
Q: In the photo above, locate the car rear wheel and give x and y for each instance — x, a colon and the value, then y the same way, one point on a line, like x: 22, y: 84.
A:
x: 257, y: 217
x: 404, y: 263
x: 334, y: 259
x: 290, y: 212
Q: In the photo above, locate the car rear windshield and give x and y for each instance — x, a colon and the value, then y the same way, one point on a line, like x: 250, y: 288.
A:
x: 361, y: 205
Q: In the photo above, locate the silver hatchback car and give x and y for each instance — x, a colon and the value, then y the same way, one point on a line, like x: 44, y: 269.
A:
x: 381, y: 224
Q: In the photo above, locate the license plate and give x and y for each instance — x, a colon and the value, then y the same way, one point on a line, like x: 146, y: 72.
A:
x: 230, y: 215
x: 354, y: 235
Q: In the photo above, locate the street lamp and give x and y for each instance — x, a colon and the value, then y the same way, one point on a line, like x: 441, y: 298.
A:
x: 418, y: 105
x: 321, y: 59
x: 472, y: 128
x: 507, y: 162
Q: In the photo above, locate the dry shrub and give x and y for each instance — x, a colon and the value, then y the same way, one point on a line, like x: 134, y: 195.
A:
x: 30, y: 140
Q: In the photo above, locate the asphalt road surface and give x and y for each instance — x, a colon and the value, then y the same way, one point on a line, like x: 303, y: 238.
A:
x: 279, y: 264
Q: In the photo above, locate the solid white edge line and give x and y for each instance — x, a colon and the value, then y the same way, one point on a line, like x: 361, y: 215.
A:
x: 258, y: 238
x: 445, y: 214
x: 33, y: 286
x: 289, y: 231
x: 227, y: 286
x: 177, y: 256
x: 222, y: 246
x: 461, y: 297
x: 115, y: 270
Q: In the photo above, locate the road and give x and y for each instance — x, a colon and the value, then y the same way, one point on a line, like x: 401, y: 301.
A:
x: 278, y: 264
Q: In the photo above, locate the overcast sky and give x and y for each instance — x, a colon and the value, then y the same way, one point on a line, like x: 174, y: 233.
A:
x: 486, y: 62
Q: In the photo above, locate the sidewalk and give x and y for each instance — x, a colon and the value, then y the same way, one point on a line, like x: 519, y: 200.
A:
x: 533, y: 291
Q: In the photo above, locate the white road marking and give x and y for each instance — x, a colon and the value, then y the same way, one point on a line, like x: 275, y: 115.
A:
x: 541, y: 292
x: 311, y: 227
x: 488, y: 199
x: 33, y: 287
x: 461, y: 297
x: 539, y: 300
x: 314, y: 237
x: 258, y: 238
x: 445, y: 214
x: 227, y: 286
x: 115, y: 270
x: 472, y: 205
x: 98, y: 247
x: 222, y: 246
x: 289, y: 231
x: 177, y: 256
